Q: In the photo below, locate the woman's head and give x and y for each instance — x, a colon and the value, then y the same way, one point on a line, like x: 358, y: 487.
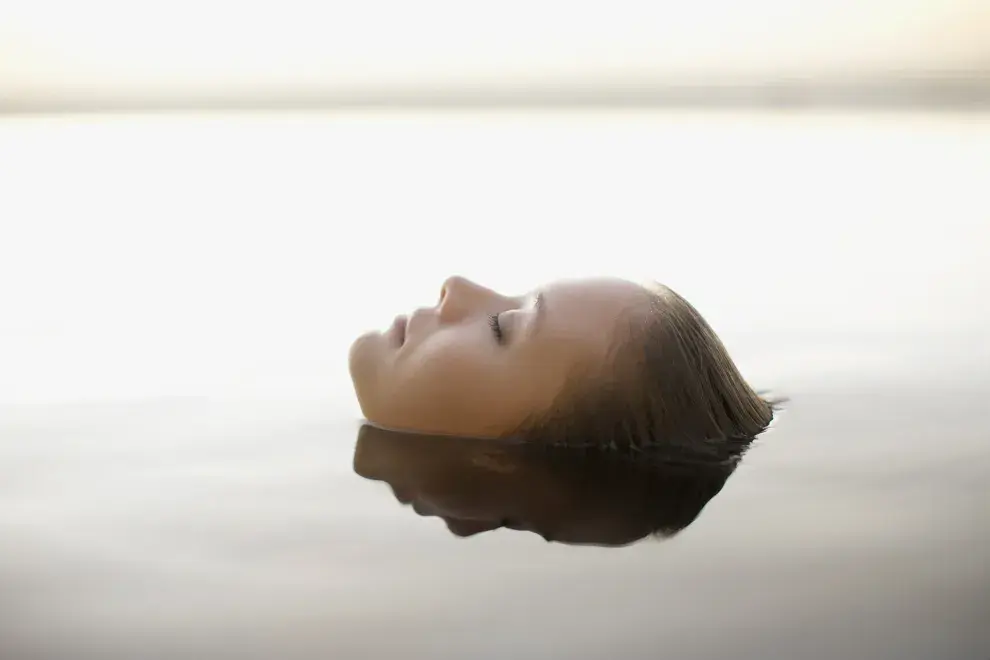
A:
x: 596, y: 361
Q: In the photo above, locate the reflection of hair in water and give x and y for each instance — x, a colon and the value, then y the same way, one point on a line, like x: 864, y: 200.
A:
x: 660, y: 494
x: 563, y: 494
x: 670, y: 381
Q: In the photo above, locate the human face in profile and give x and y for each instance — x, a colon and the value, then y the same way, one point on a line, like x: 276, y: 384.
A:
x: 480, y: 363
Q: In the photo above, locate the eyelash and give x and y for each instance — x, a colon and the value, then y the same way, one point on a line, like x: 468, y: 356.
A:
x: 496, y: 328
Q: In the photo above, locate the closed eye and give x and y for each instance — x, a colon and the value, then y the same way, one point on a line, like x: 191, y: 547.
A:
x: 496, y: 328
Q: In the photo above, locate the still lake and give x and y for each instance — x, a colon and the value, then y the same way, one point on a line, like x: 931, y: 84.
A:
x: 177, y: 428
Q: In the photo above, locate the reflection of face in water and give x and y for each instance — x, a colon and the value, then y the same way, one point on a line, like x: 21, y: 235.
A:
x: 561, y: 494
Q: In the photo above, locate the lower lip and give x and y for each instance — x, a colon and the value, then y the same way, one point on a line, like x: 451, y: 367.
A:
x: 398, y: 330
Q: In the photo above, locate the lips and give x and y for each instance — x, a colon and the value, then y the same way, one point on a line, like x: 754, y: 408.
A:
x: 398, y: 330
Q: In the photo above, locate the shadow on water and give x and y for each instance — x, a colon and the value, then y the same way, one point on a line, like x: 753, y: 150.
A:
x: 565, y: 495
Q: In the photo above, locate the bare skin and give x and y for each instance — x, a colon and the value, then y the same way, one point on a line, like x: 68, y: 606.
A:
x: 480, y: 363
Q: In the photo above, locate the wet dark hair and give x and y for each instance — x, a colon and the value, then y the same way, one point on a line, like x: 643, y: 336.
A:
x: 670, y: 382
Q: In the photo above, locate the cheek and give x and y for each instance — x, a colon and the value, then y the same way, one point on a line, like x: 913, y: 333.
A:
x: 449, y: 373
x: 456, y: 382
x: 456, y: 387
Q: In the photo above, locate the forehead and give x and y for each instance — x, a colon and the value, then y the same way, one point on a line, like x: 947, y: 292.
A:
x: 590, y: 309
x: 604, y: 293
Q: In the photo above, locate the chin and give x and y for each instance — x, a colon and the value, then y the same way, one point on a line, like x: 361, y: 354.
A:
x: 361, y: 348
x: 362, y: 363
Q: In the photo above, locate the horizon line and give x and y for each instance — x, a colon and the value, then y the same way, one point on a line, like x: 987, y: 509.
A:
x: 969, y: 91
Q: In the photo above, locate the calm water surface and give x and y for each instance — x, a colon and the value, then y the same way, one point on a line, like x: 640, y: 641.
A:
x: 177, y: 431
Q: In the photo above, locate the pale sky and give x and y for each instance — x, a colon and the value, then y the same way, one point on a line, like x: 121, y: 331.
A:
x: 65, y: 49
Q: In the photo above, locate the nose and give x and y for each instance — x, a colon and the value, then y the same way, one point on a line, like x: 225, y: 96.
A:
x: 461, y: 298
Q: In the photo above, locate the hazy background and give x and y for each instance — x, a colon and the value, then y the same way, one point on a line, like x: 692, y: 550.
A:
x: 145, y: 253
x: 104, y: 54
x: 223, y: 251
x: 239, y: 255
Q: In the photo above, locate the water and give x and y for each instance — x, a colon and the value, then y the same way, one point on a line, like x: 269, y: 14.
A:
x: 177, y: 429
